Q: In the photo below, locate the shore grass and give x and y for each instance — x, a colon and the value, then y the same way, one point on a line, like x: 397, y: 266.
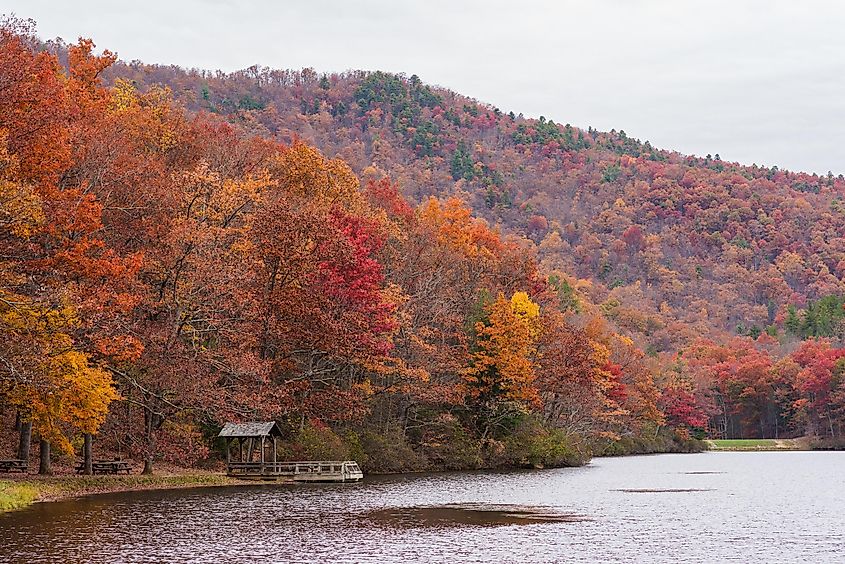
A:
x: 21, y: 492
x: 16, y: 495
x: 758, y: 444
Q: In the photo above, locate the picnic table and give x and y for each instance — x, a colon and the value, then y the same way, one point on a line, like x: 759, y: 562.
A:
x: 105, y: 467
x: 14, y: 465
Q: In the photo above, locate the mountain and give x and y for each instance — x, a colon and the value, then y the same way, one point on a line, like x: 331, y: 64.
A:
x: 673, y: 247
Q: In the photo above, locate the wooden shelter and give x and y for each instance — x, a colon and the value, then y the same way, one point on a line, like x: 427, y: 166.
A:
x: 258, y: 440
x: 258, y: 437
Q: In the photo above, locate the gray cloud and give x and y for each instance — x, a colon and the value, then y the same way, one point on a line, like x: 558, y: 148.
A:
x: 755, y: 81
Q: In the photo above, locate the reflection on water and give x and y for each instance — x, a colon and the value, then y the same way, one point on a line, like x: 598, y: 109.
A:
x: 711, y: 507
x: 470, y: 514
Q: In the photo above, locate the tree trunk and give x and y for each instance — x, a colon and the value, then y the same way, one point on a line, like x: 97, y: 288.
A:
x: 17, y: 422
x: 44, y: 467
x: 88, y: 455
x: 25, y: 440
x: 151, y: 422
x: 149, y: 454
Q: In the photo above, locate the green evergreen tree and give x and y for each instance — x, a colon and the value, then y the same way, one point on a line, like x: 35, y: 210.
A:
x: 462, y: 163
x: 793, y: 322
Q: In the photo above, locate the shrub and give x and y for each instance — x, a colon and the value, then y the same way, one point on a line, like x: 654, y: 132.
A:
x: 828, y: 443
x: 533, y: 445
x: 389, y: 453
x: 447, y: 445
x: 315, y: 442
x: 667, y: 440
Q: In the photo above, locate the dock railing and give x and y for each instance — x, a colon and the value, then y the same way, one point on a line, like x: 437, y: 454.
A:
x: 312, y: 469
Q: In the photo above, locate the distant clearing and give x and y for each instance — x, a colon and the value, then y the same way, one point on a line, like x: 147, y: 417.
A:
x: 758, y: 444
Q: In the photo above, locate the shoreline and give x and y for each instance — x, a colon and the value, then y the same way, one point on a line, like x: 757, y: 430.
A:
x: 21, y: 491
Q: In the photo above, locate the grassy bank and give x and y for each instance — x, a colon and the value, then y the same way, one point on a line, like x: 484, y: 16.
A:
x: 20, y: 492
x: 16, y: 495
x: 759, y: 444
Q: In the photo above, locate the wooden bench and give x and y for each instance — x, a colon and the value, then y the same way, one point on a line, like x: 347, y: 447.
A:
x: 106, y: 467
x: 14, y: 465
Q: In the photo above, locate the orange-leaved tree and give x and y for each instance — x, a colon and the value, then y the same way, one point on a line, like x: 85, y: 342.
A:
x: 502, y: 368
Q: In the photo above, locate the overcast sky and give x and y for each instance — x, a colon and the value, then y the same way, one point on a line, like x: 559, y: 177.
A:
x: 755, y: 81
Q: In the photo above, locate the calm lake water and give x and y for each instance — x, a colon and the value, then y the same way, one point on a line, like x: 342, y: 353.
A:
x: 710, y: 507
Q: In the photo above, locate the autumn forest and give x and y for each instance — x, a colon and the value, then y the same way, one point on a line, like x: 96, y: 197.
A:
x: 396, y: 273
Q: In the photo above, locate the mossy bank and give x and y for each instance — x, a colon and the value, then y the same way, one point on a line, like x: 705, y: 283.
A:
x: 22, y: 491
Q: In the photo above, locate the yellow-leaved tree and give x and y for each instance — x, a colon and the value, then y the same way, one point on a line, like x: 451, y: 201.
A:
x: 54, y: 385
x: 502, y: 368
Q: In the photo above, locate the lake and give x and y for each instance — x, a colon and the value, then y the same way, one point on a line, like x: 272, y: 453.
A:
x: 709, y: 507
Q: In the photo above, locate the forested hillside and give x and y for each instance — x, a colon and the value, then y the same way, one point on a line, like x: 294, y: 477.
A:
x: 677, y: 251
x: 676, y: 246
x: 396, y: 273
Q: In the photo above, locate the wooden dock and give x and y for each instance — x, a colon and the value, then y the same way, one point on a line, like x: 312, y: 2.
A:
x: 258, y: 439
x: 302, y: 471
